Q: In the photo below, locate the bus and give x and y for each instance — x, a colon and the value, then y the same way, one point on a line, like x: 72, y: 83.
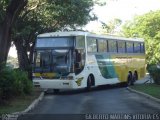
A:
x: 77, y: 59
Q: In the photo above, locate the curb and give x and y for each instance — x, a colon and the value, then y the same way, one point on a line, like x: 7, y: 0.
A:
x: 31, y: 106
x: 34, y: 103
x: 15, y: 115
x: 144, y: 94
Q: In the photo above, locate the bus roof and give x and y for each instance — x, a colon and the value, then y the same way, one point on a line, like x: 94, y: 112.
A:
x: 88, y: 34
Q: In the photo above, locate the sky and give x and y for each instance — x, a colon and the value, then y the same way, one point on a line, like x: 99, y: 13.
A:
x: 121, y: 9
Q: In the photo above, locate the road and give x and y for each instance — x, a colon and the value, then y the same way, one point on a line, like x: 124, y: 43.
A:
x: 99, y: 100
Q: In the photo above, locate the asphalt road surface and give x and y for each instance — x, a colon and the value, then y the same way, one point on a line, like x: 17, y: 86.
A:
x: 104, y: 100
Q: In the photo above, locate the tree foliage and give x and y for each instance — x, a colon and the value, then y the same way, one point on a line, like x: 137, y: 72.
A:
x: 38, y: 16
x: 47, y: 16
x: 111, y: 26
x: 31, y: 16
x: 146, y: 26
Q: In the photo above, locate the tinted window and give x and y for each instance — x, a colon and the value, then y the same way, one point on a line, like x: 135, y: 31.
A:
x: 121, y: 46
x: 43, y: 60
x: 129, y: 46
x: 80, y: 42
x: 55, y: 42
x: 112, y: 46
x: 91, y: 45
x: 137, y: 48
x: 102, y: 45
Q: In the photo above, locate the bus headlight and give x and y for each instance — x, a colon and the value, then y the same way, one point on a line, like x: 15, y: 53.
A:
x: 36, y: 84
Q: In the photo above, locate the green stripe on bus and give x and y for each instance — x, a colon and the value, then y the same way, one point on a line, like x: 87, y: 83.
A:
x: 106, y: 66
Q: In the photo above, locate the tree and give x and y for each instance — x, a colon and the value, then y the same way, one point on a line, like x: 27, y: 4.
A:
x: 111, y: 26
x: 46, y: 16
x: 146, y: 26
x: 12, y: 10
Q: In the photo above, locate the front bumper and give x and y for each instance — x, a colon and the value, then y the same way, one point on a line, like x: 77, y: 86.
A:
x: 54, y: 84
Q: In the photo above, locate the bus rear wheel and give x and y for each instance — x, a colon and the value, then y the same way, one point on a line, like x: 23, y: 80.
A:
x: 135, y: 76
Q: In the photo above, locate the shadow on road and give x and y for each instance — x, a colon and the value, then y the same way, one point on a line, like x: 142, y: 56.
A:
x: 83, y: 90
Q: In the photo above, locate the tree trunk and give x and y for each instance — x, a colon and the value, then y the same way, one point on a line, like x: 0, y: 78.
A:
x: 23, y: 59
x: 5, y: 41
x: 13, y: 10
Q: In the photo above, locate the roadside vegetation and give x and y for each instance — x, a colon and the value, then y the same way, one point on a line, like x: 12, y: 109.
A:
x: 151, y: 89
x: 19, y: 103
x: 147, y: 26
x: 16, y: 90
x: 13, y: 82
x: 14, y: 85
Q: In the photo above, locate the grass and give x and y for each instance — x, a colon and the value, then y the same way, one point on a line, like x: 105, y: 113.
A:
x: 151, y: 89
x: 19, y: 103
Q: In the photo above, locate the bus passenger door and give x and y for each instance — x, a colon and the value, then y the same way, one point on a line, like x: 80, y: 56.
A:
x: 79, y: 60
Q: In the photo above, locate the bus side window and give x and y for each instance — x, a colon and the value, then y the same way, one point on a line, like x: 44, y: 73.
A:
x: 129, y: 46
x: 121, y: 47
x: 102, y: 45
x: 137, y: 47
x: 91, y: 45
x: 112, y: 46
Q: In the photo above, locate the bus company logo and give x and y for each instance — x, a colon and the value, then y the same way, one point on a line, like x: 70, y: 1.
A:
x: 79, y: 81
x: 44, y: 75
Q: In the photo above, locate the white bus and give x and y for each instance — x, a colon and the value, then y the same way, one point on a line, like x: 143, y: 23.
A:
x: 71, y: 60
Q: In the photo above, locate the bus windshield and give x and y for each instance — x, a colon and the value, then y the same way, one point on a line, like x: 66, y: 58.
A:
x: 53, y: 54
x: 57, y: 60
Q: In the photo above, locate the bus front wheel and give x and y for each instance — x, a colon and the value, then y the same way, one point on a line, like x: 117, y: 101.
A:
x: 89, y: 83
x: 56, y: 91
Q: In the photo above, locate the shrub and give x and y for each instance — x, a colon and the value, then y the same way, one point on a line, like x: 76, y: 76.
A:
x: 6, y: 82
x: 22, y: 85
x: 154, y: 72
x: 13, y: 82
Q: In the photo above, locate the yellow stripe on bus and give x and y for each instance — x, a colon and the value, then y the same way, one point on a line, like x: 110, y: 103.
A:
x: 125, y: 63
x: 47, y: 75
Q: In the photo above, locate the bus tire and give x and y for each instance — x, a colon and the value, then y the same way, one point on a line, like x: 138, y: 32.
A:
x: 89, y: 83
x: 135, y: 76
x: 129, y: 78
x: 56, y: 91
